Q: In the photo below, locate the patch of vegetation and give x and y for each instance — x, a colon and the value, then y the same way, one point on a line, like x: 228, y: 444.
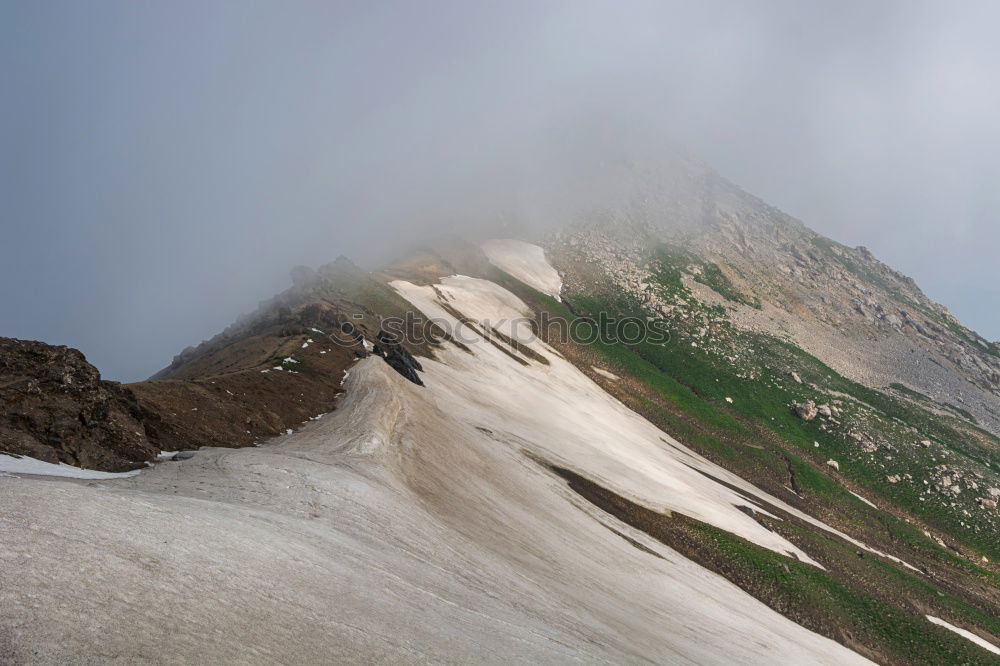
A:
x: 671, y: 262
x: 958, y: 410
x: 907, y: 391
x: 712, y: 276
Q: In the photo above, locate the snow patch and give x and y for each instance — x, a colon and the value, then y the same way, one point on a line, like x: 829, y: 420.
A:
x: 27, y: 465
x: 526, y: 262
x: 862, y: 499
x: 604, y: 373
x: 981, y: 642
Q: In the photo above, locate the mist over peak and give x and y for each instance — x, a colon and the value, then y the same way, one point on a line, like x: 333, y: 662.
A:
x: 165, y: 165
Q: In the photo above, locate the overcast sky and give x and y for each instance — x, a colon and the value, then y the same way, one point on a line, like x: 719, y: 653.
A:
x: 164, y: 164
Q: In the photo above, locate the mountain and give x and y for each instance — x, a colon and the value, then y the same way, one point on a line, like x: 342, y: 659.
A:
x: 682, y: 429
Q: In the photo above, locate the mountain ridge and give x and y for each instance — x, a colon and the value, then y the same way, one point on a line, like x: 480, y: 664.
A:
x: 788, y: 490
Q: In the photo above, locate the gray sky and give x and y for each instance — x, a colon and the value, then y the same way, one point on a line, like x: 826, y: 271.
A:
x: 163, y: 165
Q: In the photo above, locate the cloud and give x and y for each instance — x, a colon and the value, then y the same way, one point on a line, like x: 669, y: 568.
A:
x: 165, y: 165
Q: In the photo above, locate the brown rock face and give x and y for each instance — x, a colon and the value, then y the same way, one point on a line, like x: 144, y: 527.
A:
x: 54, y: 406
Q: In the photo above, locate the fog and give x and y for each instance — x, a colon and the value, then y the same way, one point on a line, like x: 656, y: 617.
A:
x: 165, y: 164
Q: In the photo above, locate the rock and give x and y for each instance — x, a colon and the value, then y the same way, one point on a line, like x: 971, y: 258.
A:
x: 925, y: 443
x: 395, y: 355
x: 824, y: 410
x: 796, y: 378
x: 805, y: 410
x: 183, y: 455
x: 834, y: 464
x: 57, y: 408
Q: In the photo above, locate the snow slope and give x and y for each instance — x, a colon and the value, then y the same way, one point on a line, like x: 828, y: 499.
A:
x: 559, y: 414
x: 526, y: 262
x: 406, y: 526
x: 386, y: 531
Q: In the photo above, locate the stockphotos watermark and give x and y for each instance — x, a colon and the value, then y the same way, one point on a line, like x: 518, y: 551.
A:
x: 604, y: 328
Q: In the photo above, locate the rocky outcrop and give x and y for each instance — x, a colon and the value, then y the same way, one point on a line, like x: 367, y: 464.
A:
x: 57, y: 408
x: 397, y: 357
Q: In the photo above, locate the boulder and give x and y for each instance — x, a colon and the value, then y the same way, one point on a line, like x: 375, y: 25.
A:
x: 805, y: 410
x: 397, y: 356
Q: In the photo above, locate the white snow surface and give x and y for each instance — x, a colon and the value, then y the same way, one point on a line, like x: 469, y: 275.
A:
x: 406, y: 526
x: 868, y: 502
x: 978, y: 640
x: 604, y: 373
x: 27, y: 465
x: 555, y: 411
x: 526, y: 262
